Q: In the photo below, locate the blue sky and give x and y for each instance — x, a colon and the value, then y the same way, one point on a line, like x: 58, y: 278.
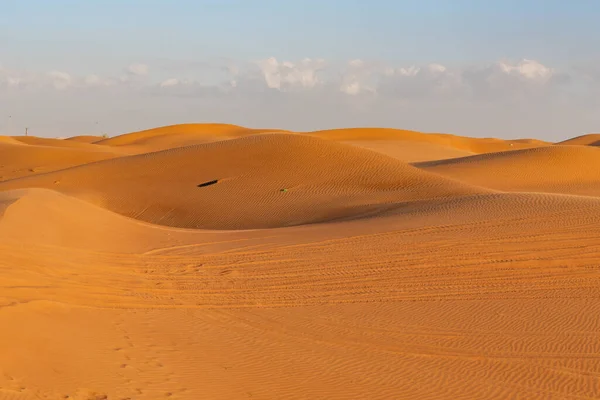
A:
x: 87, y: 32
x: 177, y: 39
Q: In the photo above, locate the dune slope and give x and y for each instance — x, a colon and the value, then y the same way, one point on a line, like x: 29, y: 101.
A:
x: 410, y: 151
x: 173, y: 136
x: 592, y: 139
x: 62, y: 143
x: 554, y: 169
x: 259, y: 181
x: 18, y: 159
x: 488, y: 297
x: 85, y: 138
x: 60, y: 220
x: 460, y: 143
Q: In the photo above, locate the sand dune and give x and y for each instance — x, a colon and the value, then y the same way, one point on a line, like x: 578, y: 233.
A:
x: 68, y: 222
x: 555, y: 169
x: 409, y: 151
x: 468, y: 144
x: 367, y: 278
x: 173, y: 131
x: 9, y: 140
x: 86, y: 138
x: 592, y: 139
x: 263, y: 181
x: 409, y: 146
x: 18, y: 159
x: 377, y: 308
x: 174, y: 136
x: 48, y: 142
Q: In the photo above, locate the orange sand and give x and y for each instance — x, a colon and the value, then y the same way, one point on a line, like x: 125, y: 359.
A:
x: 592, y: 139
x: 86, y: 138
x: 474, y: 276
x: 554, y: 169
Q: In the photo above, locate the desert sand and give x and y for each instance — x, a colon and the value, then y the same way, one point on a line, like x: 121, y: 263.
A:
x: 212, y: 261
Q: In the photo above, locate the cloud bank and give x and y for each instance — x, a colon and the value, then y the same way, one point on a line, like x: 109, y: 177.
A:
x: 503, y: 98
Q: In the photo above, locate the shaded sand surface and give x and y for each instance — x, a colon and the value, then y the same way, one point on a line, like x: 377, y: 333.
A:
x: 368, y: 279
x: 467, y: 144
x: 86, y: 138
x: 592, y: 139
x: 555, y: 169
x: 410, y: 151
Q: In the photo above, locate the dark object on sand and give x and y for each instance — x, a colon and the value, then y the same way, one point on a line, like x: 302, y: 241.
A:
x: 208, y: 183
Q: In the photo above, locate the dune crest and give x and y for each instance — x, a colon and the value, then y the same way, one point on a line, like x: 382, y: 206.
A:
x: 173, y: 136
x: 468, y: 144
x: 85, y: 138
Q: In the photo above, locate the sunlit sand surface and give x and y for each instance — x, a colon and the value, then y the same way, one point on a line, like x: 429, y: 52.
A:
x: 211, y: 261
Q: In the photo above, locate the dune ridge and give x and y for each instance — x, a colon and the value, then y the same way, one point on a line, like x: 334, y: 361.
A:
x: 173, y: 136
x: 85, y: 138
x: 473, y: 145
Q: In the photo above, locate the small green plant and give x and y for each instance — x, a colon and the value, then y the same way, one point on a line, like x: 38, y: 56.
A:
x: 104, y: 136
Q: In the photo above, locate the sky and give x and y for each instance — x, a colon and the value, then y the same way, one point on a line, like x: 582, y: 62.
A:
x: 508, y: 69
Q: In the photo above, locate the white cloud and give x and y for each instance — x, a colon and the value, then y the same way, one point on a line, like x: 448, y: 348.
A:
x: 60, y: 80
x: 94, y: 80
x: 170, y: 82
x: 360, y: 76
x: 500, y: 81
x: 287, y: 75
x: 436, y: 68
x: 409, y: 71
x: 528, y: 69
x: 138, y: 69
x: 356, y: 63
x: 13, y: 81
x: 357, y: 77
x: 270, y: 70
x: 351, y: 88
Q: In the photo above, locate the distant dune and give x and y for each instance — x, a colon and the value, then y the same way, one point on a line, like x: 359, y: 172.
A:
x: 555, y: 169
x: 19, y: 159
x: 86, y: 138
x: 409, y: 151
x: 212, y: 261
x: 48, y: 142
x: 168, y: 137
x: 473, y: 145
x: 584, y: 140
